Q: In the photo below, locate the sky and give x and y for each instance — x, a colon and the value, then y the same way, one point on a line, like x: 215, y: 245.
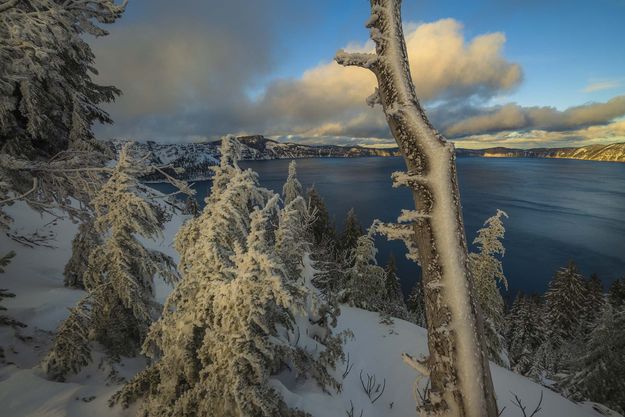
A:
x: 509, y: 73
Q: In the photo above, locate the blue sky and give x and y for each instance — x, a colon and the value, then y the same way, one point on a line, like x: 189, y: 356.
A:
x: 240, y: 67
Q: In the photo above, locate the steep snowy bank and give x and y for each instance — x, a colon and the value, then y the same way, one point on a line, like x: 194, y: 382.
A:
x: 41, y: 301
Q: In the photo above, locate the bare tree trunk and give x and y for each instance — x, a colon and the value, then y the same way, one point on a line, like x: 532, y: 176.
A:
x: 461, y: 384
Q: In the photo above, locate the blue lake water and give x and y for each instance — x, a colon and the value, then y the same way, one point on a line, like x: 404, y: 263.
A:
x: 558, y: 209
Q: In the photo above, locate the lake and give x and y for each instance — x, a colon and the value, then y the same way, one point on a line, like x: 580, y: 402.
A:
x: 558, y: 209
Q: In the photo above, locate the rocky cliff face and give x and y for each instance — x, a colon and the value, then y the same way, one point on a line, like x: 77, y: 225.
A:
x: 196, y: 158
x: 614, y: 152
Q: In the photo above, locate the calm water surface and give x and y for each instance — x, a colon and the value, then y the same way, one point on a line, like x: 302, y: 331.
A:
x: 558, y: 209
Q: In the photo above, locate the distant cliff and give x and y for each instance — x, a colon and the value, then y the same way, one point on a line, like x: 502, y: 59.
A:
x: 613, y: 153
x: 196, y: 158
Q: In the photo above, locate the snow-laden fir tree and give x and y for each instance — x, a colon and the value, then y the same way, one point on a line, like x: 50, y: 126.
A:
x: 616, y: 293
x: 232, y: 322
x: 293, y: 234
x: 363, y: 283
x: 49, y: 102
x: 47, y: 96
x: 395, y: 306
x: 594, y: 303
x: 4, y: 293
x: 524, y: 332
x: 564, y: 309
x: 348, y: 238
x: 119, y: 276
x: 323, y: 231
x: 416, y: 304
x: 85, y: 240
x: 599, y: 374
x: 292, y: 187
x: 487, y: 271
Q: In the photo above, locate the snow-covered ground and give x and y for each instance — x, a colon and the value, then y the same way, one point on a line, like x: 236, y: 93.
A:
x: 36, y: 277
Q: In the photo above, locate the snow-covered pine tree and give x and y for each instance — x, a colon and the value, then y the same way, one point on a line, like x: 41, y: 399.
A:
x: 599, y: 377
x: 487, y: 271
x: 524, y: 332
x: 228, y: 325
x: 564, y: 307
x: 594, y: 303
x: 71, y: 350
x: 292, y: 187
x: 85, y: 240
x: 395, y: 304
x: 616, y: 293
x: 323, y: 231
x: 364, y: 280
x: 293, y: 237
x: 4, y: 293
x: 47, y: 96
x: 416, y: 304
x: 48, y: 102
x: 119, y: 277
x: 348, y: 238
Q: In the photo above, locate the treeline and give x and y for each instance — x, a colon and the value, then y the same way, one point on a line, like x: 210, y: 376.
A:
x: 572, y: 338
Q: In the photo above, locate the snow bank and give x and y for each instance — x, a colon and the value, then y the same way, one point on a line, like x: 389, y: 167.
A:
x: 36, y: 277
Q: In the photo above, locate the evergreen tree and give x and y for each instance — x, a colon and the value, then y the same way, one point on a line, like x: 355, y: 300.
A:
x: 82, y: 245
x: 352, y: 231
x: 616, y: 293
x: 600, y: 377
x: 416, y: 304
x: 323, y: 232
x: 232, y: 321
x: 594, y: 303
x: 524, y: 332
x: 47, y: 96
x: 292, y: 187
x: 292, y: 237
x: 4, y: 293
x: 487, y: 272
x: 364, y: 281
x: 120, y: 272
x: 564, y: 306
x: 395, y: 304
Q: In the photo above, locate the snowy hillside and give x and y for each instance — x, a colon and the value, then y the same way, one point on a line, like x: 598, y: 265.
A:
x: 41, y: 301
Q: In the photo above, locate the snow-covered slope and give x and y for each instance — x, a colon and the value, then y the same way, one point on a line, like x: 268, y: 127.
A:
x: 35, y: 276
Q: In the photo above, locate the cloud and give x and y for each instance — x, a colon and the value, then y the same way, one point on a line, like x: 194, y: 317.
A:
x: 609, y: 133
x: 515, y: 117
x: 188, y: 76
x: 602, y: 85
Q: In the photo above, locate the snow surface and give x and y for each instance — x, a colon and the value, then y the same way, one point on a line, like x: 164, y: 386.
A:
x: 36, y: 277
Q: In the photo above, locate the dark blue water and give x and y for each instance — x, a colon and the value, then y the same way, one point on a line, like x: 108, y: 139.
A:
x: 559, y: 209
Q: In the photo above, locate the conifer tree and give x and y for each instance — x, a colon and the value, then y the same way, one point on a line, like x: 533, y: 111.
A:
x: 232, y: 321
x: 416, y: 304
x: 616, y: 293
x: 564, y: 307
x: 524, y: 332
x: 364, y: 281
x: 48, y: 99
x: 352, y: 231
x: 4, y: 293
x: 600, y: 376
x: 292, y: 187
x: 395, y: 304
x: 487, y: 271
x: 119, y: 277
x: 83, y: 243
x: 323, y: 231
x: 594, y: 303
